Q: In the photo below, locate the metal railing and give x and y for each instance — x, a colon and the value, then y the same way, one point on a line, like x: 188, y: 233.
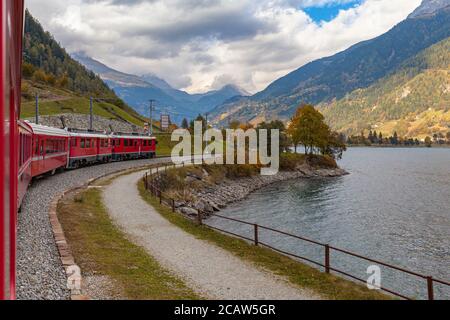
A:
x: 149, y: 182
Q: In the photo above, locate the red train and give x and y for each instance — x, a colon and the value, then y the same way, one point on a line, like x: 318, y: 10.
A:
x: 29, y: 150
x: 45, y: 150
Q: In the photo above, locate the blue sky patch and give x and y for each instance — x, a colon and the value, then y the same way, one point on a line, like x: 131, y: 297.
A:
x: 329, y: 12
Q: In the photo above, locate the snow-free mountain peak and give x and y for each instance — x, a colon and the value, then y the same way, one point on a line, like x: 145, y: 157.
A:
x: 138, y: 90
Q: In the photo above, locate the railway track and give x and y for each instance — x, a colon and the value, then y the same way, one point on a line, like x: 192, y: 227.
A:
x: 40, y: 275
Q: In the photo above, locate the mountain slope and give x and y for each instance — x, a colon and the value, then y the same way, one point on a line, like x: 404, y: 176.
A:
x: 401, y: 101
x: 137, y: 91
x: 429, y: 7
x: 332, y: 78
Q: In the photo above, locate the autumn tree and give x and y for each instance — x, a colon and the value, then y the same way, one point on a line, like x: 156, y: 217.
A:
x: 308, y: 128
x: 234, y: 124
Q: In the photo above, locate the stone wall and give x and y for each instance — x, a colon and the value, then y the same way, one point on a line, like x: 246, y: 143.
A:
x: 81, y: 121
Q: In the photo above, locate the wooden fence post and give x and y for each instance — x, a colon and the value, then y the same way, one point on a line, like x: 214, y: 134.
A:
x: 199, y: 217
x: 430, y: 288
x: 327, y: 258
x: 256, y: 235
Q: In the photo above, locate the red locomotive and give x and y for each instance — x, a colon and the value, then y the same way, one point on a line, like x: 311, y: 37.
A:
x: 28, y: 150
x: 88, y: 148
x: 125, y: 147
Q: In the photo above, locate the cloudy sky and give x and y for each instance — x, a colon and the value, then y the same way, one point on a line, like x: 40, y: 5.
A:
x: 198, y: 45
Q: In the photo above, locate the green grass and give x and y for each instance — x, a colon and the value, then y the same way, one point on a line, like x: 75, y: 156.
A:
x: 328, y: 286
x: 100, y: 248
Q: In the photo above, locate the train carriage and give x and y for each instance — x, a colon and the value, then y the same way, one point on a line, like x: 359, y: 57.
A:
x: 25, y: 159
x: 148, y: 147
x: 89, y: 147
x: 126, y: 147
x: 11, y: 31
x: 50, y: 149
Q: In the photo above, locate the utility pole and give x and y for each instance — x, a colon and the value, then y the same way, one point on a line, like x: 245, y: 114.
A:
x: 37, y: 108
x: 206, y: 119
x: 150, y: 129
x: 91, y: 113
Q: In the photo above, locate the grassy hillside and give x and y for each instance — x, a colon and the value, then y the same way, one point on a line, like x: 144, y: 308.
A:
x: 55, y: 101
x: 414, y: 101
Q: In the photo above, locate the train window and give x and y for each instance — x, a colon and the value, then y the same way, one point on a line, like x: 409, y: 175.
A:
x: 82, y: 143
x: 92, y: 143
x: 125, y: 143
x: 73, y: 142
x: 88, y: 143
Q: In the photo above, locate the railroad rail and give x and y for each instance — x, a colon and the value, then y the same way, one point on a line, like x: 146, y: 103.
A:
x: 430, y: 281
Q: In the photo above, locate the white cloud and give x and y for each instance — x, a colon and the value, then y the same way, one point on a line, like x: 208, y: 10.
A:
x: 197, y: 44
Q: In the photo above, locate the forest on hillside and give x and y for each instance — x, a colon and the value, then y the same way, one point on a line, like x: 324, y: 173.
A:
x: 45, y: 61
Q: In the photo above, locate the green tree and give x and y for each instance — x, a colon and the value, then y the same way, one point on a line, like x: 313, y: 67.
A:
x: 185, y: 124
x: 202, y: 120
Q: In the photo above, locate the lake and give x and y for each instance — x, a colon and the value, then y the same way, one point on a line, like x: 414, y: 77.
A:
x: 394, y: 206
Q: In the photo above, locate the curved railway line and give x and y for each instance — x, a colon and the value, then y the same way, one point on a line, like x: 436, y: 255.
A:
x: 40, y: 274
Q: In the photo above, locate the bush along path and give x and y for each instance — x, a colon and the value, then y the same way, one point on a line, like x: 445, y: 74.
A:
x: 211, y: 271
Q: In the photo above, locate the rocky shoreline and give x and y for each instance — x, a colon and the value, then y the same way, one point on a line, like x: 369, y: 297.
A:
x: 213, y: 198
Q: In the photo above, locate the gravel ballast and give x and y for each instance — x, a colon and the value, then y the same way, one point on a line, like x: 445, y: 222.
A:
x: 40, y: 275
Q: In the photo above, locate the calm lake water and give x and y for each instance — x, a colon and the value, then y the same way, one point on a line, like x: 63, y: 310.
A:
x: 394, y: 206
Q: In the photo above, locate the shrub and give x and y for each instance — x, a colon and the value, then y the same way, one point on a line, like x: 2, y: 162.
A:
x: 319, y: 161
x: 290, y: 161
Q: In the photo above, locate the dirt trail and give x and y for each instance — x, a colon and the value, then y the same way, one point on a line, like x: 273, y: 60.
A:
x: 208, y: 269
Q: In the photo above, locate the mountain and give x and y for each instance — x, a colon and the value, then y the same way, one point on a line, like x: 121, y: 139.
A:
x: 138, y: 90
x: 62, y: 82
x: 109, y: 75
x: 332, y: 78
x: 429, y: 7
x: 414, y: 100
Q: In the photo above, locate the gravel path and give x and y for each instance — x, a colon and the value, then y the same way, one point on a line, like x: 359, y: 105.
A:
x: 207, y: 268
x: 40, y: 274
